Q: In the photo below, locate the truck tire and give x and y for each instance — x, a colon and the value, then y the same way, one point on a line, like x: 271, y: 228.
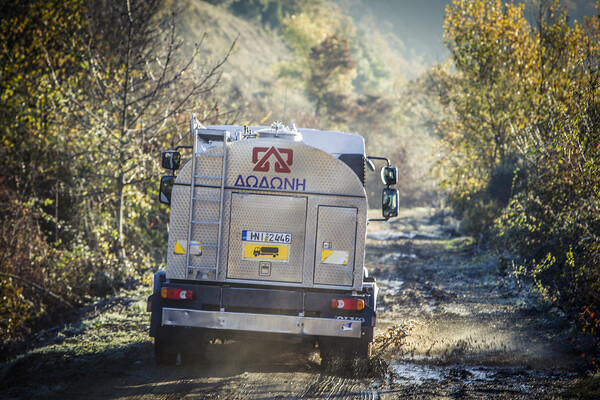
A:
x: 159, y: 278
x: 165, y: 346
x: 365, y: 345
x: 339, y: 351
x: 173, y: 343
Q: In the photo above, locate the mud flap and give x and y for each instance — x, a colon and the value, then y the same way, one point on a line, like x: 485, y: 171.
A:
x: 341, y: 350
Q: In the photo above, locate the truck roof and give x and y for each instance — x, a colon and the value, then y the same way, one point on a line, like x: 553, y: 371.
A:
x: 332, y: 142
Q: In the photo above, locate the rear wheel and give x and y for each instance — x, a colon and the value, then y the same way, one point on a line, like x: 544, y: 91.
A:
x: 365, y: 345
x: 339, y: 351
x: 173, y: 343
x: 165, y: 349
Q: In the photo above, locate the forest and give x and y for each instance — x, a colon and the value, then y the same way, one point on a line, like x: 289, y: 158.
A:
x: 92, y: 91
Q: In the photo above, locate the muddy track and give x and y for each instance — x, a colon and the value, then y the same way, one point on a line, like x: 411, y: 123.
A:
x: 327, y: 386
x: 449, y: 326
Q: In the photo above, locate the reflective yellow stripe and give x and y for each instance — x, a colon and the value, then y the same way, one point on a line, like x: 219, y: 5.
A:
x: 337, y: 257
x: 180, y: 249
x: 195, y: 249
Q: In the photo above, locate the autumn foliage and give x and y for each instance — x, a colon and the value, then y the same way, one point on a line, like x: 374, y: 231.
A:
x: 90, y: 93
x: 523, y: 140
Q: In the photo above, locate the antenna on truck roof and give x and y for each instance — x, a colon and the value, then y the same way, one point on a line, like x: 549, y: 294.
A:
x: 195, y: 124
x: 284, y: 103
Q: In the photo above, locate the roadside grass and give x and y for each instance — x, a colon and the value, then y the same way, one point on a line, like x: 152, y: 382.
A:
x: 112, y: 331
x: 463, y: 244
x: 587, y: 387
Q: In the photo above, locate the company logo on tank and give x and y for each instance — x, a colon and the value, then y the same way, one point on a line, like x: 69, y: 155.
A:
x: 266, y: 159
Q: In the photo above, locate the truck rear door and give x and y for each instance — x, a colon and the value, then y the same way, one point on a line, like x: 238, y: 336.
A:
x: 335, y: 246
x: 267, y: 236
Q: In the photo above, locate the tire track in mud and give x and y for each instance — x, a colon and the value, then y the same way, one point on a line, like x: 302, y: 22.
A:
x: 329, y: 386
x: 454, y: 331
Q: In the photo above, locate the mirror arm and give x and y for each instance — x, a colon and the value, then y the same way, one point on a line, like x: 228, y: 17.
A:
x: 184, y: 147
x: 370, y: 164
x: 379, y: 158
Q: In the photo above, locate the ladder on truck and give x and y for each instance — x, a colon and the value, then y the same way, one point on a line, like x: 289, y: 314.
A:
x: 214, y: 221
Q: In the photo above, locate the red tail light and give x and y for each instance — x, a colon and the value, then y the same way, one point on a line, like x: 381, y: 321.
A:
x: 348, y: 304
x: 176, y: 294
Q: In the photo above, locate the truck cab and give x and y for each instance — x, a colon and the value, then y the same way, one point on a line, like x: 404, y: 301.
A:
x: 267, y: 237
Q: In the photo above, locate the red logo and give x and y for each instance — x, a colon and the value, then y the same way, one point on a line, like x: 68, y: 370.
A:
x: 284, y: 158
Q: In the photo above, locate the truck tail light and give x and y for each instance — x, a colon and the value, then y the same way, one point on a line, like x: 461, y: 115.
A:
x: 348, y: 304
x: 176, y: 293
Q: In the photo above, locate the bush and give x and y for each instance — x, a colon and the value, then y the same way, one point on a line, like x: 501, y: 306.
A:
x: 553, y: 227
x: 524, y: 142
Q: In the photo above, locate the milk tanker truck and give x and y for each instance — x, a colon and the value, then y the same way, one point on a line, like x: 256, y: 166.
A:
x: 267, y: 236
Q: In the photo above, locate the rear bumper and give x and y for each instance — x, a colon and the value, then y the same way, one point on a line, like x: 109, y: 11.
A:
x: 285, y: 324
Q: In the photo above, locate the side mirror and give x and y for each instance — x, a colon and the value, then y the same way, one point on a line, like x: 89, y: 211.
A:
x: 166, y: 188
x: 389, y: 203
x: 171, y: 159
x: 389, y: 175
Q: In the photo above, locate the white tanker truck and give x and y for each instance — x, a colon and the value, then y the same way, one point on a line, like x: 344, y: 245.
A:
x: 267, y: 237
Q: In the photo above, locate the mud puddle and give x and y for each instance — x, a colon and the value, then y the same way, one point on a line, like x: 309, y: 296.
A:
x: 411, y: 374
x: 449, y: 329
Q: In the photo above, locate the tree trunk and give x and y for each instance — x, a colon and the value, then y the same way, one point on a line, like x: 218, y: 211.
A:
x: 121, y: 207
x: 121, y: 182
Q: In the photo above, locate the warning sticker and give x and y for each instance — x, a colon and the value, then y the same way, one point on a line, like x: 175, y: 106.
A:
x: 252, y: 251
x: 181, y: 245
x: 336, y: 257
x: 195, y: 248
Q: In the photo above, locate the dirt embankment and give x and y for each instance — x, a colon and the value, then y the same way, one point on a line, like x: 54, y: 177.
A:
x: 448, y: 327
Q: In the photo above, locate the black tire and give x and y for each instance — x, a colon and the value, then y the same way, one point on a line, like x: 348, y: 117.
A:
x: 165, y: 349
x: 335, y: 352
x: 365, y: 345
x: 159, y: 278
x: 175, y: 343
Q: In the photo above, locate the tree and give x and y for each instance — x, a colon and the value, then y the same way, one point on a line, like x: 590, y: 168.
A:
x: 33, y: 163
x: 551, y: 228
x: 323, y: 63
x: 526, y: 105
x: 90, y: 92
x: 136, y: 87
x: 332, y: 70
x: 493, y: 52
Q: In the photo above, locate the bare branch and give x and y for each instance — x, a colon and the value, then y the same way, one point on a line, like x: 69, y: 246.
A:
x: 41, y: 289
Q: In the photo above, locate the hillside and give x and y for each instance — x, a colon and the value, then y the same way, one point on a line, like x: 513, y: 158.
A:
x: 80, y: 224
x: 249, y: 77
x: 398, y: 124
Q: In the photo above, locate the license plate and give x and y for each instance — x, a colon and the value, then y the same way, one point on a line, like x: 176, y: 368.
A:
x: 271, y: 237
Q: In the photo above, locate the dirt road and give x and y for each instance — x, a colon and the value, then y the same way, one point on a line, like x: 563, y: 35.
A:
x: 448, y: 327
